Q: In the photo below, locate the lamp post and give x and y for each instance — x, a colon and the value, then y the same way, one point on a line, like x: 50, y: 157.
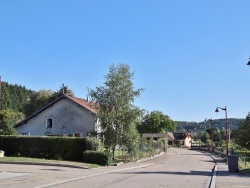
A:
x: 248, y: 63
x: 212, y: 133
x: 199, y: 137
x: 225, y: 109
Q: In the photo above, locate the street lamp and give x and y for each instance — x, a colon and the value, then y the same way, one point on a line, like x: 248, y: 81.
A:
x: 248, y: 63
x: 225, y: 109
x: 212, y: 133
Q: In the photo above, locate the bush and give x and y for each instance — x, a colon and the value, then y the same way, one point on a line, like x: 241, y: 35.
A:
x: 92, y: 143
x: 97, y: 157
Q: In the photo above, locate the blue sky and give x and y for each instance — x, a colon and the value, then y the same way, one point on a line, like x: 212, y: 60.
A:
x: 190, y: 56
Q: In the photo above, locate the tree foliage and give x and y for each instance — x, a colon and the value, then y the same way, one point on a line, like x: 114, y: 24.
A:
x: 14, y: 96
x: 114, y: 103
x: 64, y: 90
x: 37, y: 100
x: 242, y: 136
x: 156, y: 122
x: 233, y: 123
x: 40, y: 98
x: 9, y: 118
x: 218, y: 136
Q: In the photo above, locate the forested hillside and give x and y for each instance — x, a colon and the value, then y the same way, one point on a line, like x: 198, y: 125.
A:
x: 14, y: 96
x: 233, y: 124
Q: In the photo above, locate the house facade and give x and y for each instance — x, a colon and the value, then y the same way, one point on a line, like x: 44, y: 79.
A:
x: 183, y: 139
x: 68, y: 116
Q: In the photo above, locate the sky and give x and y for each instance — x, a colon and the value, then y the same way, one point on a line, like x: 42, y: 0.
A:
x: 189, y: 56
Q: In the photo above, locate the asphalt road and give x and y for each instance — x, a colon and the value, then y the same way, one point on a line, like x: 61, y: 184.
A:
x: 185, y: 169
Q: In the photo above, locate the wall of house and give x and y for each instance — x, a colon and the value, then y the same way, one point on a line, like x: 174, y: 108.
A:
x: 67, y: 118
x: 188, y: 141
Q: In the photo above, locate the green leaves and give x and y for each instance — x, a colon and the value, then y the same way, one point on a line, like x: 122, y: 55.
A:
x: 114, y: 103
x: 242, y: 136
x: 9, y: 118
x: 156, y: 122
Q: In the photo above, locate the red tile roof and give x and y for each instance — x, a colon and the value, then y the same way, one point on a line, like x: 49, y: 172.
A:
x: 87, y: 104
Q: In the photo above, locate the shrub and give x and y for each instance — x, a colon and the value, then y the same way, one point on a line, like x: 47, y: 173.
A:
x: 97, y: 157
x: 92, y: 143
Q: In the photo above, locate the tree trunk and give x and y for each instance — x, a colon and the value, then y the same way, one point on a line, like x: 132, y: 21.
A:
x: 113, y: 152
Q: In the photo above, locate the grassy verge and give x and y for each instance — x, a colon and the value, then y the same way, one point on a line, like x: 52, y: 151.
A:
x: 35, y: 160
x: 246, y: 171
x: 245, y: 167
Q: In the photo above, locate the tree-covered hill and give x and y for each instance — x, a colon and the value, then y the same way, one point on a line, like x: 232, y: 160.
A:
x: 233, y: 124
x: 14, y: 96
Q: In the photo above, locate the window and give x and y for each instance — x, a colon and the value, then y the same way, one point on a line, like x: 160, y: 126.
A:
x: 26, y: 134
x: 48, y: 122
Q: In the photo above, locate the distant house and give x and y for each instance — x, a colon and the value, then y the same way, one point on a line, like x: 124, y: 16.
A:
x: 64, y: 116
x: 183, y: 139
x: 155, y: 136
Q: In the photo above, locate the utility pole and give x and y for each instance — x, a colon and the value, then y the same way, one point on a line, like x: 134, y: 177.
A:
x: 0, y: 93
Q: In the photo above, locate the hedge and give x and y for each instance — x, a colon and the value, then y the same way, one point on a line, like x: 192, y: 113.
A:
x: 97, y: 157
x: 63, y: 148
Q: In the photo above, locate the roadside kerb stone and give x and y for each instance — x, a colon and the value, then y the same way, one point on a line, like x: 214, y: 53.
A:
x: 46, y: 164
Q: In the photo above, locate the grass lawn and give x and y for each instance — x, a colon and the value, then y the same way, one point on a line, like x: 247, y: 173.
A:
x: 36, y: 160
x: 246, y: 169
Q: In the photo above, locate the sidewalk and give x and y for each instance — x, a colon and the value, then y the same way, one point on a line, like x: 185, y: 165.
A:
x: 225, y: 179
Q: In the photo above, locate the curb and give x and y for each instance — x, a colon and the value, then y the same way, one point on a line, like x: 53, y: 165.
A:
x: 44, y: 164
x: 213, y: 179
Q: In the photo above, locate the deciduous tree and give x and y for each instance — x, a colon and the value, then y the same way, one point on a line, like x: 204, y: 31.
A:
x: 9, y: 118
x: 242, y: 136
x: 37, y: 100
x: 156, y: 122
x: 115, y: 109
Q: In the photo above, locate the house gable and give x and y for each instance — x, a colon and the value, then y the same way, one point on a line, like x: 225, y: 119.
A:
x: 183, y: 139
x: 63, y: 116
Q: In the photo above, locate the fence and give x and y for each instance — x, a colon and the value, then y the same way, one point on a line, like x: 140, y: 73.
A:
x: 142, y: 150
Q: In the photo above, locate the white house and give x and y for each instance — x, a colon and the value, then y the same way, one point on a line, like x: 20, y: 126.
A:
x: 64, y: 116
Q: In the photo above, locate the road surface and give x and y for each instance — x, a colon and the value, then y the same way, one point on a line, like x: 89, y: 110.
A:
x: 185, y: 168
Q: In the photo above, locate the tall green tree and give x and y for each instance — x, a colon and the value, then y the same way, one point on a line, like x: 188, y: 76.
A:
x: 115, y: 109
x: 156, y: 122
x: 9, y: 118
x: 37, y: 100
x: 242, y: 136
x: 14, y: 96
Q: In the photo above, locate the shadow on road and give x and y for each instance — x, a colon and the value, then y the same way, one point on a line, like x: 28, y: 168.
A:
x: 192, y: 173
